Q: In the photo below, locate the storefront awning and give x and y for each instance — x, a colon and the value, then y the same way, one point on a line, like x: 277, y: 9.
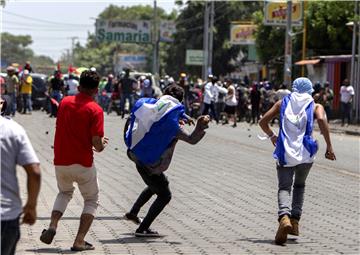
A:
x: 307, y: 62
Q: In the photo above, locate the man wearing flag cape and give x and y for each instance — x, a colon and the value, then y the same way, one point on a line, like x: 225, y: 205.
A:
x: 151, y: 133
x: 295, y: 150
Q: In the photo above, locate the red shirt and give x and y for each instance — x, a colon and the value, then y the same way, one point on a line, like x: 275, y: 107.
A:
x: 79, y: 118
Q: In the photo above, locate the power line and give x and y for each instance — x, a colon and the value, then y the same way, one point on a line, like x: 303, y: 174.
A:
x: 42, y: 20
x: 33, y: 24
x: 42, y: 29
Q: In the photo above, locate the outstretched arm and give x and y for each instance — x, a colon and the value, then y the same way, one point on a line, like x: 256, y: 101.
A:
x: 324, y: 128
x: 268, y: 116
x: 197, y: 134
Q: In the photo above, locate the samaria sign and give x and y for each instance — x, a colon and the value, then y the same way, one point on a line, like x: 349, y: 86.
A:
x: 138, y: 31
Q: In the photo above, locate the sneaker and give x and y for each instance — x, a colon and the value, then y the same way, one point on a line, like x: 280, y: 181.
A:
x: 133, y: 218
x: 146, y: 233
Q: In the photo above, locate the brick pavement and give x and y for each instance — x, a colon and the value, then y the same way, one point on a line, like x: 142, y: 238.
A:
x: 224, y: 200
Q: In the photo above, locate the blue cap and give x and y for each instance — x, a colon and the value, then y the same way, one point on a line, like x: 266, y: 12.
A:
x: 146, y: 83
x: 302, y: 85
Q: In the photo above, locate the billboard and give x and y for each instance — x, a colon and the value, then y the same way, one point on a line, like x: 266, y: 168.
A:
x: 124, y: 31
x: 275, y: 13
x: 133, y: 61
x: 167, y: 30
x: 194, y: 57
x: 242, y: 34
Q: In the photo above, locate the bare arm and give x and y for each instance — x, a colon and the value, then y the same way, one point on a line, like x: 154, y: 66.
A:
x: 324, y: 128
x: 33, y: 188
x: 268, y: 116
x: 99, y: 143
x: 197, y: 134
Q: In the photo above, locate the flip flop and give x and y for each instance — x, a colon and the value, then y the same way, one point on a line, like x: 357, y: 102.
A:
x: 47, y: 235
x: 86, y: 247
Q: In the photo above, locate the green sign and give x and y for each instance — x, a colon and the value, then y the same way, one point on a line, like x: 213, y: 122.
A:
x: 138, y: 31
x: 194, y: 57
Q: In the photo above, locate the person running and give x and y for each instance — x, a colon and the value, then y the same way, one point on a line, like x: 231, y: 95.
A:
x: 16, y: 149
x: 295, y: 150
x: 79, y: 131
x: 152, y: 152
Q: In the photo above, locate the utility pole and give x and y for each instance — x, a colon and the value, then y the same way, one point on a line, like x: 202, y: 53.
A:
x: 155, y: 41
x: 288, y: 46
x: 354, y: 76
x: 72, y: 48
x: 211, y: 38
x: 206, y: 42
x: 304, y: 39
x: 357, y: 83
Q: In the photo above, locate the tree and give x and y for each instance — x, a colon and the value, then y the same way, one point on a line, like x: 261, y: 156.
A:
x: 189, y: 35
x: 15, y: 48
x: 327, y: 31
x: 327, y: 34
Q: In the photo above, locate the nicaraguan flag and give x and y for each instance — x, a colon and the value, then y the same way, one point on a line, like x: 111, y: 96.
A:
x: 153, y: 126
x: 295, y: 144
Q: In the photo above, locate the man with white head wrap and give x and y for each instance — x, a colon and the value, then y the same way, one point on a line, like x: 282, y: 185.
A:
x: 295, y: 150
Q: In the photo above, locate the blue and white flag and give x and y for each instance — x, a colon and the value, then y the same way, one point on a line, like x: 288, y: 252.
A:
x: 295, y: 144
x: 153, y: 126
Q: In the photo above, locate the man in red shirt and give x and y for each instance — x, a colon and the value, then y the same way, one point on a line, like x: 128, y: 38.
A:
x: 79, y: 131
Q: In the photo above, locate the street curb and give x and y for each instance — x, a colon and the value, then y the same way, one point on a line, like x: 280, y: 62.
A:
x: 339, y: 131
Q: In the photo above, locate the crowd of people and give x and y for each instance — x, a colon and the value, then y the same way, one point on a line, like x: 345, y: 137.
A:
x: 224, y: 99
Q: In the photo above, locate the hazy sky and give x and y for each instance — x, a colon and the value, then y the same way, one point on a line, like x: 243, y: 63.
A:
x: 51, y: 23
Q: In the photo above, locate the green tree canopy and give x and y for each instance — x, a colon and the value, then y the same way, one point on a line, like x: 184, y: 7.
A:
x: 15, y: 48
x: 327, y: 34
x: 189, y: 35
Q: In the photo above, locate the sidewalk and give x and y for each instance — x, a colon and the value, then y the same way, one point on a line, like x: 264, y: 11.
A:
x: 336, y: 127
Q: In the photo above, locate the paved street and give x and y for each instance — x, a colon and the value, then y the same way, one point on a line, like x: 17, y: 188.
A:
x: 224, y: 197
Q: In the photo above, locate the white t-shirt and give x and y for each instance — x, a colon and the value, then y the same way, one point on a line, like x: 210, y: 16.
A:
x: 346, y: 93
x: 210, y: 93
x: 230, y: 99
x: 73, y: 86
x: 16, y: 149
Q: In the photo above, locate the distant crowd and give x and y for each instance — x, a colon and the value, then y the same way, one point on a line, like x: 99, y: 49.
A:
x: 224, y: 99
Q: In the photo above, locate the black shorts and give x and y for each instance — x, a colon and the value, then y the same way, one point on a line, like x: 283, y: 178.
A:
x: 230, y: 109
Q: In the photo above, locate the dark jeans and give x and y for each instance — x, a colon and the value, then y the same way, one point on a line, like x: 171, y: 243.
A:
x: 345, y: 112
x: 128, y: 96
x: 255, y: 114
x: 10, y: 235
x: 156, y: 184
x: 213, y: 111
x: 56, y: 94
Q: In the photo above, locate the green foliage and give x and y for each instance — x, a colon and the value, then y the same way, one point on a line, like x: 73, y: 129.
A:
x: 101, y: 55
x: 327, y: 30
x: 15, y: 48
x: 190, y: 35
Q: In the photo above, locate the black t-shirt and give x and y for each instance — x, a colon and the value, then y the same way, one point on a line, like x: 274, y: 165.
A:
x: 56, y: 84
x: 127, y: 85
